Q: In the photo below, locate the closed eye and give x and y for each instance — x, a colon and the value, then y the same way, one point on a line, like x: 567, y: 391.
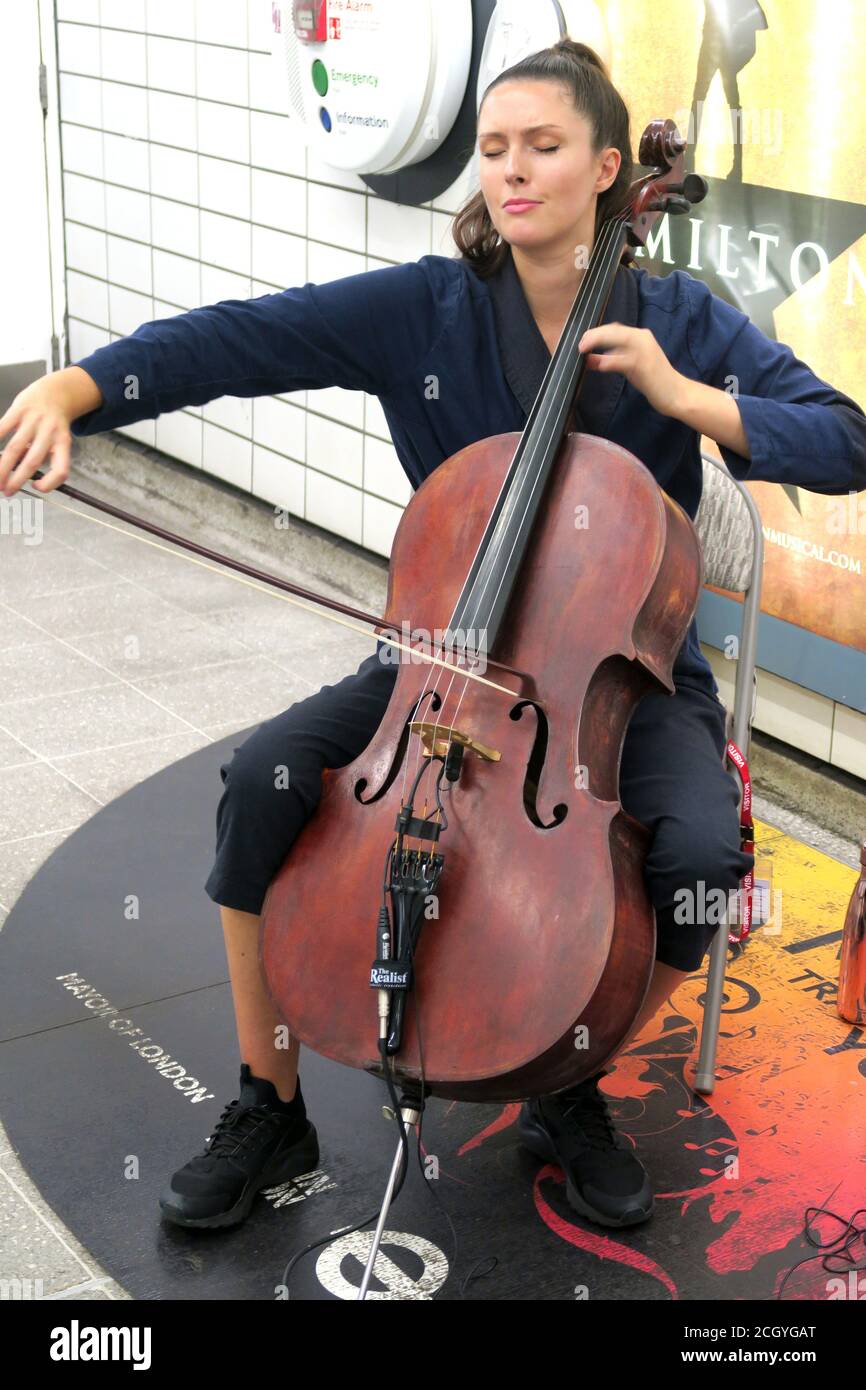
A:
x: 549, y: 149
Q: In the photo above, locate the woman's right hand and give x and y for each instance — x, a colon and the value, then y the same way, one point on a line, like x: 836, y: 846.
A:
x: 40, y: 417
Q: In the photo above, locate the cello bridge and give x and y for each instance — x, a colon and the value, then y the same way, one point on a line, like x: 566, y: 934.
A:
x: 435, y: 739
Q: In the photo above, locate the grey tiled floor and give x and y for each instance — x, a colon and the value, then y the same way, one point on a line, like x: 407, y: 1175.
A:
x: 117, y: 659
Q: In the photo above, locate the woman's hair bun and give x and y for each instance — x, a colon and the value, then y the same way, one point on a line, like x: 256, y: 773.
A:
x: 580, y: 53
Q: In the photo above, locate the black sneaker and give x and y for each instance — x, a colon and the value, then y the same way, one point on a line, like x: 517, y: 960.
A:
x: 605, y: 1180
x: 256, y: 1144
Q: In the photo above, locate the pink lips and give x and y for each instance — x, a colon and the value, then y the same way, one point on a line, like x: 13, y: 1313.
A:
x: 520, y: 205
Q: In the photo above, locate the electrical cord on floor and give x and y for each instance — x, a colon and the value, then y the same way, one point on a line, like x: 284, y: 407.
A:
x: 472, y: 1275
x: 837, y: 1248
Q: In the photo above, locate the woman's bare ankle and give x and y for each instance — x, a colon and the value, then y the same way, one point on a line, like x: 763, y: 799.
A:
x: 264, y: 1040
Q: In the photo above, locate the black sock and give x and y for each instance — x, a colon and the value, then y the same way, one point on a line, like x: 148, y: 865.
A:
x: 581, y: 1087
x: 257, y: 1090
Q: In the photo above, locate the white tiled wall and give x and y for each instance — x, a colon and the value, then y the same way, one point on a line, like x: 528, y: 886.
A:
x: 810, y: 722
x: 185, y: 183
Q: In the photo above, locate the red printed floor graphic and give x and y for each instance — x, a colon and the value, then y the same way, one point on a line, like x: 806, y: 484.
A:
x: 783, y: 1130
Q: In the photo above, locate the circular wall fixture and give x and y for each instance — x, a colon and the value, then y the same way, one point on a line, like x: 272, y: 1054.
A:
x: 389, y: 76
x: 390, y: 90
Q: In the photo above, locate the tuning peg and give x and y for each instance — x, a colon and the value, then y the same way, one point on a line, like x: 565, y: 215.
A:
x: 695, y: 188
x: 672, y: 204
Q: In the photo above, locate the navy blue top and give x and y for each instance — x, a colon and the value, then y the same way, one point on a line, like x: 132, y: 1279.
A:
x: 454, y: 359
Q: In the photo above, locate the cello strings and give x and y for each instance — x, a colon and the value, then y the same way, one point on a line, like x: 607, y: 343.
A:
x: 592, y: 309
x: 537, y: 477
x: 606, y: 242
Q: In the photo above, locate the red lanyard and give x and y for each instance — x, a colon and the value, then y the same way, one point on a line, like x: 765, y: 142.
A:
x: 747, y: 845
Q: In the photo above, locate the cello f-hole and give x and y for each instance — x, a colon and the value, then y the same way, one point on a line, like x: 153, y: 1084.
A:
x: 400, y: 752
x: 534, y: 768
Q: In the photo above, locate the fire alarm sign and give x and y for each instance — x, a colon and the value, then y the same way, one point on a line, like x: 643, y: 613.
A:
x: 311, y: 20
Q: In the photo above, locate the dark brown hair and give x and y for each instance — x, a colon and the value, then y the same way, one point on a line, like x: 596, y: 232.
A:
x: 595, y: 97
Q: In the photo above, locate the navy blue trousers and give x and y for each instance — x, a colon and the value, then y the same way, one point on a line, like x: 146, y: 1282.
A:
x: 671, y: 778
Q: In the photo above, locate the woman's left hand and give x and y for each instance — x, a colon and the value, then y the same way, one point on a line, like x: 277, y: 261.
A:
x: 635, y: 353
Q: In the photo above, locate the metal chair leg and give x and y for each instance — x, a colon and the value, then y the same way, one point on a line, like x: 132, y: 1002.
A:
x: 705, y: 1078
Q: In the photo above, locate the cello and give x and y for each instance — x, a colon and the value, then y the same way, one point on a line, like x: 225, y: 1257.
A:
x: 465, y: 910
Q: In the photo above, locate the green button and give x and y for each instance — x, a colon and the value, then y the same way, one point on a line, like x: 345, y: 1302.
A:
x: 320, y: 77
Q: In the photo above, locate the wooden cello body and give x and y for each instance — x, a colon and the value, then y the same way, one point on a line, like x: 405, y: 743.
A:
x: 538, y: 944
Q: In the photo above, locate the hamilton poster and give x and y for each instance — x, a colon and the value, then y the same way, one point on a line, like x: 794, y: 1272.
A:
x: 770, y: 97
